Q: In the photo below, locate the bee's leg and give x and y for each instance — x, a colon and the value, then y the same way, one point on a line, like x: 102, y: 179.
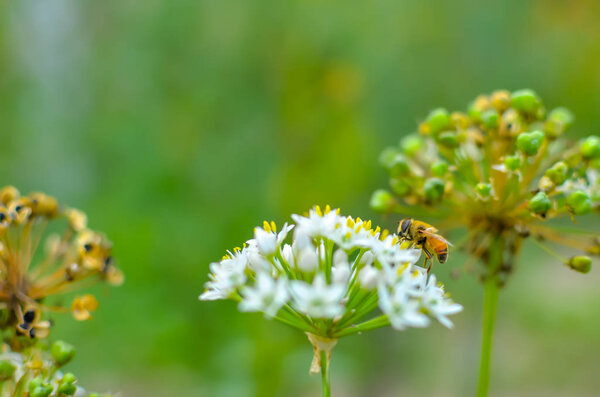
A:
x: 429, y: 258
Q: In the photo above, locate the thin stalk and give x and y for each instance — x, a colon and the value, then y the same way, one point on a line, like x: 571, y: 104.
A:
x: 490, y: 302
x: 325, y: 379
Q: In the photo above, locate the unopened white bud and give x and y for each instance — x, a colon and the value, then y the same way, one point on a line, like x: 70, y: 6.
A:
x: 368, y: 277
x: 308, y: 260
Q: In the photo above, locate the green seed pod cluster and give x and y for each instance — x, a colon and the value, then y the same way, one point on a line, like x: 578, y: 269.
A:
x: 35, y: 372
x: 503, y: 168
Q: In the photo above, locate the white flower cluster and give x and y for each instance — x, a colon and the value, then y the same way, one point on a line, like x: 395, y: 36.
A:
x: 334, y: 271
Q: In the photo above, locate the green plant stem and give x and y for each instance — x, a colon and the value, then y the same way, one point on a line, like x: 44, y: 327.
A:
x: 325, y: 381
x: 490, y: 302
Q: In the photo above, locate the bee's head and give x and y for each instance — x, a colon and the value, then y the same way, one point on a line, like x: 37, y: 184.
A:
x: 404, y: 227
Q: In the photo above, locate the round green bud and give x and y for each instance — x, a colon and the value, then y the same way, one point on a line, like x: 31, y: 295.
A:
x: 388, y: 156
x: 438, y: 120
x: 512, y: 163
x: 7, y: 370
x: 558, y: 173
x: 41, y: 391
x: 490, y: 118
x: 400, y: 186
x: 525, y: 101
x: 37, y: 388
x: 62, y: 352
x: 540, y: 204
x: 439, y: 168
x: 67, y: 388
x: 412, y: 144
x: 581, y: 264
x: 530, y: 142
x: 399, y: 166
x: 590, y: 147
x: 434, y: 189
x: 68, y: 378
x: 448, y: 139
x: 579, y: 202
x: 474, y: 112
x: 382, y: 201
x: 484, y: 189
x: 562, y: 115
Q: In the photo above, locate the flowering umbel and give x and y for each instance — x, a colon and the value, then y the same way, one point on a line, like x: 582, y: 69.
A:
x: 34, y: 267
x: 503, y: 169
x: 333, y: 273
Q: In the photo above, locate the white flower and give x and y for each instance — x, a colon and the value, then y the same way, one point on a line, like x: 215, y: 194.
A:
x: 226, y: 276
x: 317, y: 224
x: 402, y: 311
x: 319, y: 299
x: 266, y: 241
x: 368, y: 277
x: 308, y: 260
x: 390, y: 252
x: 267, y: 295
x: 436, y: 303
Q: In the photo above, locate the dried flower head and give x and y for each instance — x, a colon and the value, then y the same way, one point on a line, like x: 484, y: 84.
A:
x: 71, y: 260
x: 333, y: 273
x: 503, y: 169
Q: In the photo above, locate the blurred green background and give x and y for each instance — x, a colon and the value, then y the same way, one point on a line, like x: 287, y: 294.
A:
x: 180, y: 125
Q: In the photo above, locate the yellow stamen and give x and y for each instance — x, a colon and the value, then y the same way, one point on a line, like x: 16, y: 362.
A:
x: 266, y: 227
x: 318, y: 210
x: 273, y: 227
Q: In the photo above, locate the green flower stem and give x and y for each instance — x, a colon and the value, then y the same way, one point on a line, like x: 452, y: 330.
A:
x: 377, y: 322
x: 490, y: 303
x: 325, y: 379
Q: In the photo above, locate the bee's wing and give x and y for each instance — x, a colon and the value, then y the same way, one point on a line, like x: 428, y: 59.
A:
x: 431, y: 232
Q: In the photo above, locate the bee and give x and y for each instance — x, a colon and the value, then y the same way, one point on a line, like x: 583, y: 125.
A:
x: 424, y: 236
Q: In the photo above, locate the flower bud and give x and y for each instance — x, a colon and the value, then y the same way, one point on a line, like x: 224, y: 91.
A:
x: 448, y: 139
x: 590, y: 147
x: 525, y: 101
x: 62, y: 352
x: 382, y: 201
x: 7, y: 370
x: 490, y: 118
x: 500, y: 100
x: 339, y: 257
x: 8, y: 194
x: 512, y: 163
x: 412, y: 144
x: 439, y: 168
x: 37, y: 388
x: 368, y: 277
x: 540, y: 204
x: 558, y: 173
x: 579, y: 202
x: 484, y: 190
x: 530, y: 142
x: 367, y: 258
x: 400, y: 186
x: 308, y: 260
x: 558, y: 121
x: 340, y: 273
x: 67, y: 384
x: 438, y: 120
x: 434, y: 189
x: 581, y: 264
x: 394, y: 162
x: 460, y: 120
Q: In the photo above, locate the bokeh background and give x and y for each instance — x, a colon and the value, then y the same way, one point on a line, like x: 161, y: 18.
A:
x: 180, y: 125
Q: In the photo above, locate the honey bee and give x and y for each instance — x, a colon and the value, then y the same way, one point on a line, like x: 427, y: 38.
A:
x: 424, y: 236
